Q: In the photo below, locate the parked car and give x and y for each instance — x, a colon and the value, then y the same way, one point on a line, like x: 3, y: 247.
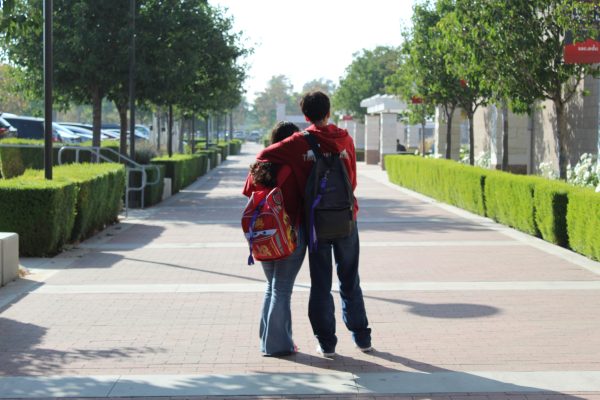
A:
x: 85, y: 133
x: 6, y: 129
x: 143, y: 130
x: 117, y: 132
x: 33, y: 128
x: 104, y: 133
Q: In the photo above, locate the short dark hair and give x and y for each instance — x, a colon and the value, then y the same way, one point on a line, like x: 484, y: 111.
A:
x: 315, y: 106
x: 283, y: 130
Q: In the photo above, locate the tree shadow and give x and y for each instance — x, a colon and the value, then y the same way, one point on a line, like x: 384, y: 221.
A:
x: 22, y: 354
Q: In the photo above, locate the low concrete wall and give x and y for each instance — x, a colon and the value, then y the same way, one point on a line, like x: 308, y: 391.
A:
x: 9, y: 257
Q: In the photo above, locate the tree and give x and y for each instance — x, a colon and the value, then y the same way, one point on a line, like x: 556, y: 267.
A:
x: 365, y: 77
x: 514, y: 50
x: 428, y: 75
x: 89, y: 49
x: 278, y: 90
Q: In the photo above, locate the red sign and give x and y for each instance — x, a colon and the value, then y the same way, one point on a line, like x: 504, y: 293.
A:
x: 463, y: 83
x: 346, y: 117
x: 416, y: 100
x: 587, y: 52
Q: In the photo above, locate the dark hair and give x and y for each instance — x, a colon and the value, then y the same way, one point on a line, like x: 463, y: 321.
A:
x: 265, y: 173
x: 283, y: 130
x: 315, y: 106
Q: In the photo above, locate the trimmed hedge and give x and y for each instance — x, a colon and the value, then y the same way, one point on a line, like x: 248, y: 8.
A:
x: 360, y: 155
x: 183, y: 169
x: 550, y: 200
x: 152, y: 193
x: 444, y: 180
x: 235, y: 147
x: 509, y: 200
x: 558, y: 212
x: 15, y: 160
x: 101, y: 188
x: 223, y: 148
x: 583, y: 222
x: 41, y: 212
x: 211, y: 155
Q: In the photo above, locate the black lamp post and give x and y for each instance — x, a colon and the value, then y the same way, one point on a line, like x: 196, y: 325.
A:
x: 48, y: 89
x: 132, y: 83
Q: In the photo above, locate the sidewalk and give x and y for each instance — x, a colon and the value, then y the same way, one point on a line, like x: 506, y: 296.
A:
x: 163, y: 305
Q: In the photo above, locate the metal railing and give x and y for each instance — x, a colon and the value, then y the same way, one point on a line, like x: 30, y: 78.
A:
x: 130, y: 165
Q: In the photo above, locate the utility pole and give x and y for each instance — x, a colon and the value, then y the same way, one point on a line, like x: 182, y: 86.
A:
x: 48, y: 66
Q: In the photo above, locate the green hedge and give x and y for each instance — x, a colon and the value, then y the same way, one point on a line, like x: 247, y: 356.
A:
x: 99, y: 199
x: 550, y: 203
x: 235, y: 147
x: 558, y: 212
x: 509, y: 200
x: 183, y: 169
x: 14, y: 160
x: 223, y: 148
x: 360, y: 155
x: 211, y: 155
x: 41, y: 212
x: 152, y: 193
x: 444, y: 180
x: 583, y: 222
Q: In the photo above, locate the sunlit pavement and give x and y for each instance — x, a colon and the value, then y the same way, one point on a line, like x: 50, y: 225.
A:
x: 162, y: 305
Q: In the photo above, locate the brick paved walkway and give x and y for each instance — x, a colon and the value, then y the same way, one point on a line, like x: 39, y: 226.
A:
x: 163, y: 304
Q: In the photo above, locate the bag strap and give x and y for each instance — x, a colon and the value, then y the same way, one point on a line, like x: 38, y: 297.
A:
x: 313, y: 143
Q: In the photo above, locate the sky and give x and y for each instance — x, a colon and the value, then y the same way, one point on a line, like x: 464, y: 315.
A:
x: 312, y: 39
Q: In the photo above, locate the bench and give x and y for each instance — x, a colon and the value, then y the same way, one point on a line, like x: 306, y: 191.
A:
x: 9, y: 257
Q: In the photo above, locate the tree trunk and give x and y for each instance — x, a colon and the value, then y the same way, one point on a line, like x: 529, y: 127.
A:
x: 449, y: 116
x: 180, y: 137
x: 122, y: 109
x: 230, y: 126
x: 206, y: 123
x: 504, y: 136
x: 423, y: 138
x: 471, y: 139
x: 170, y: 132
x: 158, y: 128
x: 561, y: 138
x: 192, y: 135
x: 96, y: 116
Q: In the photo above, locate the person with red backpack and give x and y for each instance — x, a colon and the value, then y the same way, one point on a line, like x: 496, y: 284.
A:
x: 323, y: 162
x: 276, y: 318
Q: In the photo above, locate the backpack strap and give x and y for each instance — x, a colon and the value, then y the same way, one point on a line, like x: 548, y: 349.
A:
x: 312, y: 142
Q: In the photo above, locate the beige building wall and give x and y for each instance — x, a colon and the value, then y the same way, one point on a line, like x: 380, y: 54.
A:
x: 582, y: 122
x: 532, y: 138
x: 372, y: 138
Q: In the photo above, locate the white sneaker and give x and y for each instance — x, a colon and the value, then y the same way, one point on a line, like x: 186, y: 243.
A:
x: 367, y: 349
x: 323, y: 353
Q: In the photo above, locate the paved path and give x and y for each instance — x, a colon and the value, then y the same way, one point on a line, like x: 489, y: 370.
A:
x: 163, y: 304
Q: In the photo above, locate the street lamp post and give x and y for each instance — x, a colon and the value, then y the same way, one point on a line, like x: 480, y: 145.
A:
x: 48, y: 89
x: 132, y: 83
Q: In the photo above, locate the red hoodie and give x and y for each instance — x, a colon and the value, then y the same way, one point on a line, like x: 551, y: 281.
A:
x: 293, y: 151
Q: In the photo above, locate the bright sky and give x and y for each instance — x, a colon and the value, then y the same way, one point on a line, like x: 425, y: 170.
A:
x: 312, y: 39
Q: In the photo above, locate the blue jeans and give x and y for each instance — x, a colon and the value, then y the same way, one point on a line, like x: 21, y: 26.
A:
x: 321, y: 310
x: 276, y: 319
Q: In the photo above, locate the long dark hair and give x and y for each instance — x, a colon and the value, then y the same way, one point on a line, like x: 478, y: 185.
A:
x: 265, y: 173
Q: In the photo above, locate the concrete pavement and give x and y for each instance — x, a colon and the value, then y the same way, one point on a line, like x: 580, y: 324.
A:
x: 163, y: 305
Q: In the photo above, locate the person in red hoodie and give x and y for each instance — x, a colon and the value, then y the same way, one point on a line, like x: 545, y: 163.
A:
x: 295, y: 152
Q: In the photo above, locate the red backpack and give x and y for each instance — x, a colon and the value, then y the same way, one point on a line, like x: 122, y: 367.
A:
x: 267, y: 226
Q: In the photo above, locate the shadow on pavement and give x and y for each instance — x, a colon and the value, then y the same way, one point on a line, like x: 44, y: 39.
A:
x: 392, y: 374
x: 22, y: 352
x: 443, y: 310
